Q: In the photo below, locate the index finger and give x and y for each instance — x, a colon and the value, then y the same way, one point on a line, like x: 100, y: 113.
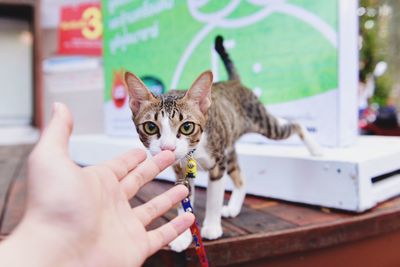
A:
x: 145, y: 172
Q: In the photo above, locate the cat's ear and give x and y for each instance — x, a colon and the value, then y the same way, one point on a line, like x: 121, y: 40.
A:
x: 200, y: 91
x: 137, y: 91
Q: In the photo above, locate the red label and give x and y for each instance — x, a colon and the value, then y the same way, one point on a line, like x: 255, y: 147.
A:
x: 118, y: 92
x: 80, y: 30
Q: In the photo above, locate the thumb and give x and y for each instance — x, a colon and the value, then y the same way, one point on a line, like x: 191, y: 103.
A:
x: 55, y: 136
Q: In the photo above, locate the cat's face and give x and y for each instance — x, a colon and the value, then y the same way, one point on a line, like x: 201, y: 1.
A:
x: 174, y: 121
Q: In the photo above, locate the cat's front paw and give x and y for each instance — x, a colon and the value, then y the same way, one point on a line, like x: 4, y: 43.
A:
x: 230, y: 212
x: 182, y: 242
x: 211, y: 232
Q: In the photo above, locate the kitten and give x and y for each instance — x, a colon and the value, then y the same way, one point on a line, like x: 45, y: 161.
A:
x: 209, y: 118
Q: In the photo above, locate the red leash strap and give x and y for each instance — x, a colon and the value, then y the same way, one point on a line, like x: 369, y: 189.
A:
x: 198, y: 242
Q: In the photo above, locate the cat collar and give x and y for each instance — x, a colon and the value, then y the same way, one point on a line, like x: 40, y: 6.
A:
x: 191, y: 152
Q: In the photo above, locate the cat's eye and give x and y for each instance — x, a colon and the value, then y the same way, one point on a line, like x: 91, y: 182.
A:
x: 187, y: 128
x: 150, y: 128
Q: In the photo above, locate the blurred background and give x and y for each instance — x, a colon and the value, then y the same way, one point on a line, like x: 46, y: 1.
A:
x: 335, y: 63
x: 379, y: 43
x: 39, y: 64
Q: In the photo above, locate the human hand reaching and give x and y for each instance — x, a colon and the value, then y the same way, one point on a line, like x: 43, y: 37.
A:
x: 81, y: 216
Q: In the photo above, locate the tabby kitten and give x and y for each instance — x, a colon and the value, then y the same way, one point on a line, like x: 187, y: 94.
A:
x: 209, y: 118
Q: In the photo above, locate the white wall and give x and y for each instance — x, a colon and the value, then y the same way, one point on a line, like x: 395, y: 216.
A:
x: 16, y: 107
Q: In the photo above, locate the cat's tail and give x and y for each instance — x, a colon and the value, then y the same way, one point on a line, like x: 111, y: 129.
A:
x: 230, y: 67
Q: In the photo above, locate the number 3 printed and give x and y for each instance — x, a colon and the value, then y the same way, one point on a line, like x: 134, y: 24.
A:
x: 94, y: 27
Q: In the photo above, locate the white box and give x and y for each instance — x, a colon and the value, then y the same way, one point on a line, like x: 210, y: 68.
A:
x: 354, y: 178
x: 79, y: 83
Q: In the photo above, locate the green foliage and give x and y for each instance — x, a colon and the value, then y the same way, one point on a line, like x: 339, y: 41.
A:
x: 374, y: 47
x: 382, y: 92
x: 368, y: 57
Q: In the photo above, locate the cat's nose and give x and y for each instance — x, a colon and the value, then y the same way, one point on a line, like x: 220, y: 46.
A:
x: 168, y: 147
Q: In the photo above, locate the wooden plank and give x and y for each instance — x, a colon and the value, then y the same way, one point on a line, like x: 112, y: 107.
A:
x: 328, y: 229
x: 14, y: 199
x: 229, y: 228
x: 257, y: 246
x: 8, y: 168
x: 257, y: 203
x: 248, y: 221
x: 11, y: 160
x: 134, y: 202
x: 165, y: 257
x: 18, y: 2
x: 303, y: 215
x: 154, y: 188
x: 393, y: 203
x: 381, y: 250
x: 16, y: 202
x: 257, y: 222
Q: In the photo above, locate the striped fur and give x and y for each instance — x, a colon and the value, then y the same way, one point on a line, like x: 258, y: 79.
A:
x: 221, y: 112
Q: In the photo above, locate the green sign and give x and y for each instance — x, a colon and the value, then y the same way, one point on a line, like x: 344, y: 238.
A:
x: 283, y: 50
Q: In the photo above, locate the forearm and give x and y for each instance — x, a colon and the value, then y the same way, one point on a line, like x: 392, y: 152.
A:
x: 30, y: 246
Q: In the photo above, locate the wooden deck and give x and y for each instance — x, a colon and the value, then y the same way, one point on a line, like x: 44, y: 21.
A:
x: 266, y: 233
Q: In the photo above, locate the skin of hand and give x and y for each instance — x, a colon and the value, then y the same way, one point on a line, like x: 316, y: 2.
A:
x: 81, y: 216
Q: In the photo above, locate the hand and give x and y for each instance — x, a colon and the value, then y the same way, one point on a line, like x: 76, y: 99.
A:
x: 81, y: 216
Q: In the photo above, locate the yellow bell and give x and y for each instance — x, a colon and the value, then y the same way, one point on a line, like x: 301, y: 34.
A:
x: 191, y: 168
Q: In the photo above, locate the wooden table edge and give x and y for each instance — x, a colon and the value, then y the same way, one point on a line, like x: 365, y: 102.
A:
x: 303, y: 238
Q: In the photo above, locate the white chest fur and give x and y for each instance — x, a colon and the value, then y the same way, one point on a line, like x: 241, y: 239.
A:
x: 202, y: 155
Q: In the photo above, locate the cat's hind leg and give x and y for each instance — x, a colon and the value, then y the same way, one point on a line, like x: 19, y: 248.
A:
x: 239, y: 190
x: 313, y: 147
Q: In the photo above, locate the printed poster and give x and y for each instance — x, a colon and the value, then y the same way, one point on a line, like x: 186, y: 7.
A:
x: 286, y: 51
x: 80, y: 30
